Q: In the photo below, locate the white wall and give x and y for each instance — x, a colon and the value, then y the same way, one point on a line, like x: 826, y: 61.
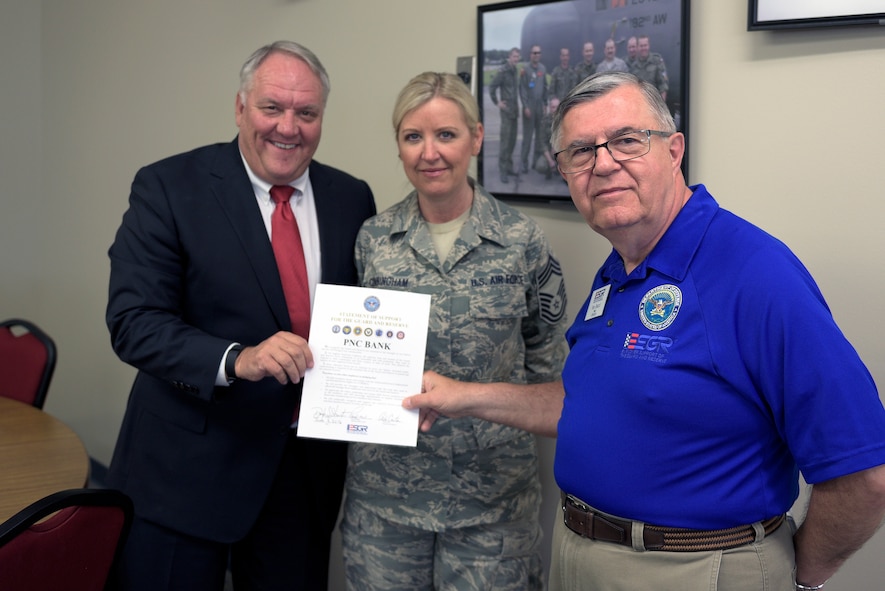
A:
x: 20, y: 153
x: 786, y: 130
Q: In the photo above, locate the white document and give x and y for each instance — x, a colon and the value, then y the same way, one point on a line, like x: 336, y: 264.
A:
x: 368, y: 350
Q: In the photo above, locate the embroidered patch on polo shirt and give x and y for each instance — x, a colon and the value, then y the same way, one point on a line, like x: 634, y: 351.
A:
x: 659, y: 307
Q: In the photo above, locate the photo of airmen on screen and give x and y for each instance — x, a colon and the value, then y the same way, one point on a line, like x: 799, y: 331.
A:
x: 533, y: 55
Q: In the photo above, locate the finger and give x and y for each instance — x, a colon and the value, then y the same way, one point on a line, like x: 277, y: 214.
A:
x: 281, y: 365
x: 429, y: 380
x: 293, y: 357
x: 276, y: 368
x: 297, y: 347
x: 421, y: 401
x: 428, y: 420
x: 293, y: 366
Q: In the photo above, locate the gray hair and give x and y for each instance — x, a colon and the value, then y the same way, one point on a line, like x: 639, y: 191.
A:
x: 597, y: 85
x: 296, y: 50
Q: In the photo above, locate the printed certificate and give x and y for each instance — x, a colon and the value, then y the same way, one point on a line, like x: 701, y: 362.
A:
x: 368, y: 351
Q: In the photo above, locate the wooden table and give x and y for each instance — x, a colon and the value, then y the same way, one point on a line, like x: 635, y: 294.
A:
x: 39, y: 455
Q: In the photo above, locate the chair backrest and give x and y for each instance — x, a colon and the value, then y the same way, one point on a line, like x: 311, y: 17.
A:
x: 76, y: 548
x: 27, y: 361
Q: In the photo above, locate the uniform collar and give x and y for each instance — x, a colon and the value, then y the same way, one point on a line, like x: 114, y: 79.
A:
x: 484, y: 221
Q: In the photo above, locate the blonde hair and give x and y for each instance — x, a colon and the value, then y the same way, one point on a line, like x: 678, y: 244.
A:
x: 429, y: 85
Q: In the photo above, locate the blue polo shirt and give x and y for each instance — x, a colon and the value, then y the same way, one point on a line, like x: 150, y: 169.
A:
x: 698, y: 386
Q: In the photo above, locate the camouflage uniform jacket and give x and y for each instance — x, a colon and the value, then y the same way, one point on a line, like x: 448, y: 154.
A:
x: 562, y: 80
x: 497, y: 314
x: 533, y: 87
x: 584, y: 69
x: 615, y: 65
x: 652, y: 69
x: 504, y: 88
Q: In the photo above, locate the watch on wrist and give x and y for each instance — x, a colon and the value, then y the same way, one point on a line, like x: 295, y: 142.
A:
x: 230, y: 363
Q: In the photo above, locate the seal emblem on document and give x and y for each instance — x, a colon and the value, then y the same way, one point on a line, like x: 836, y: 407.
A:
x: 372, y: 304
x: 659, y: 307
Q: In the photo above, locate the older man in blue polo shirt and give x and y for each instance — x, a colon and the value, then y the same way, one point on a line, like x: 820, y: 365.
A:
x: 688, y: 404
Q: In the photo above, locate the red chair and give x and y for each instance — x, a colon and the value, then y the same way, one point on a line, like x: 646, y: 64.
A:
x: 76, y: 549
x: 27, y: 361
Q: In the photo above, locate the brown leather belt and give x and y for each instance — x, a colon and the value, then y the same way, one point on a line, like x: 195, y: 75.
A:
x: 587, y: 523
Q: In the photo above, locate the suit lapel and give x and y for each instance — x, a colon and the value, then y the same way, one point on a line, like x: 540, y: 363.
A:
x: 328, y: 214
x: 232, y: 188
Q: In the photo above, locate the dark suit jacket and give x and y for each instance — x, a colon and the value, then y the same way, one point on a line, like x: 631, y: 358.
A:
x: 192, y: 270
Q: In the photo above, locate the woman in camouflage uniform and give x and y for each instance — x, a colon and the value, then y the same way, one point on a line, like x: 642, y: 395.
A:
x: 460, y: 510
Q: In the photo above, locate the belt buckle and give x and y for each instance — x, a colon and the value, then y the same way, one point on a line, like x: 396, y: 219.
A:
x: 591, y: 524
x: 576, y: 503
x: 577, y: 516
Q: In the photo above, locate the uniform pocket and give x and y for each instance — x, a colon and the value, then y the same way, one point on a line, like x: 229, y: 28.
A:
x: 500, y: 301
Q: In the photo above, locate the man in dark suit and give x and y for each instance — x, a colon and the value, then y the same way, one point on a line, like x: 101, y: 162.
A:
x: 197, y: 305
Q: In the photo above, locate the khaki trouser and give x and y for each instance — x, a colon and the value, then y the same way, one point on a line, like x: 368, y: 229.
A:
x: 579, y: 564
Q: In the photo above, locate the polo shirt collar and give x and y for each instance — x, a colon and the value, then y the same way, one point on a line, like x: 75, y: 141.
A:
x: 673, y: 253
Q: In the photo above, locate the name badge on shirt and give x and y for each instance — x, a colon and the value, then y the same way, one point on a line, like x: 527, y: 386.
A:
x: 597, y: 302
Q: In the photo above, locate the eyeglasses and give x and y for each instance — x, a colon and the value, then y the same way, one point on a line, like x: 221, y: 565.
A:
x: 626, y: 146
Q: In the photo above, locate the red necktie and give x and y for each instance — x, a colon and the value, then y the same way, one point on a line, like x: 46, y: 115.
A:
x: 289, y: 253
